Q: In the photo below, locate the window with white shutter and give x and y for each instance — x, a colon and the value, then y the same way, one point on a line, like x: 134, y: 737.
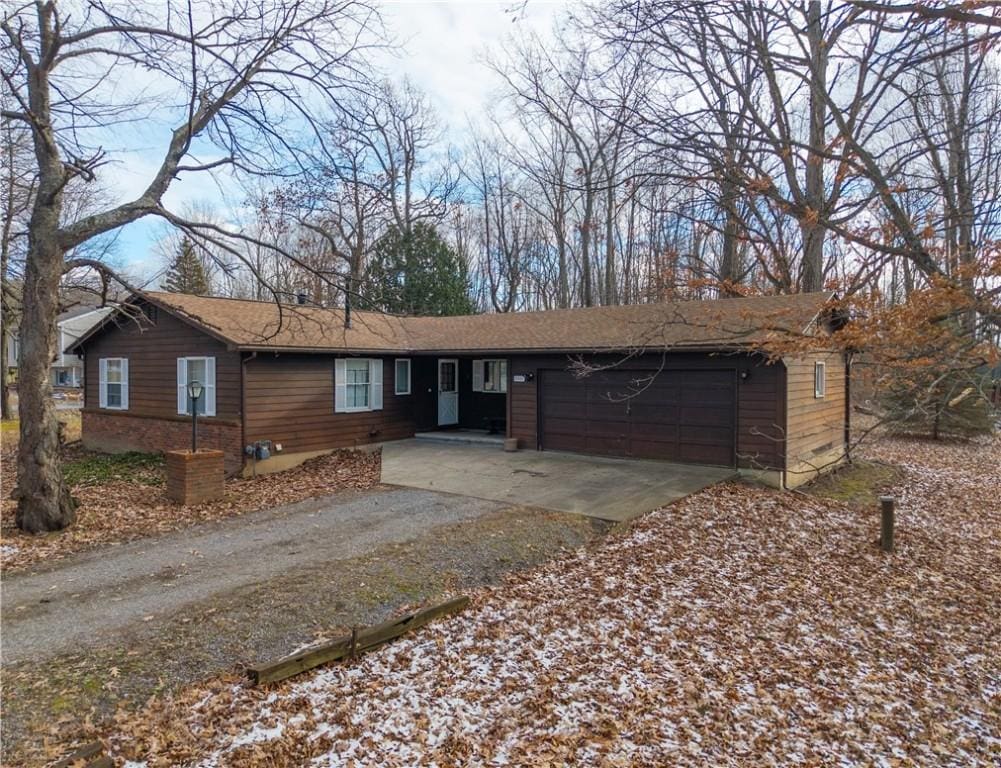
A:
x: 357, y: 385
x: 202, y: 370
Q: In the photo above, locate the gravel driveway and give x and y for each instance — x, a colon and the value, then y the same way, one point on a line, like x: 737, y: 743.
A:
x: 110, y: 627
x: 81, y: 600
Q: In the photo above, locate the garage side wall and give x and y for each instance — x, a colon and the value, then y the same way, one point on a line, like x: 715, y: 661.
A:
x: 815, y: 425
x: 760, y: 398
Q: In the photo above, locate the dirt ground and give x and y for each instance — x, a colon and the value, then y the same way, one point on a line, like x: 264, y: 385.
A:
x: 49, y: 700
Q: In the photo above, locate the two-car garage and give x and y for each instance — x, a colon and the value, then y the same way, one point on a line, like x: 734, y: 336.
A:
x: 675, y: 415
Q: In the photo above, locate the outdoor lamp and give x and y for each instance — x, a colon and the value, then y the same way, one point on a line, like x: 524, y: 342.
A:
x: 194, y: 392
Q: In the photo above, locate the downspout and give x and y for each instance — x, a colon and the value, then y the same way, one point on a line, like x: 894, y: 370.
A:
x: 243, y: 406
x: 347, y: 302
x: 848, y: 406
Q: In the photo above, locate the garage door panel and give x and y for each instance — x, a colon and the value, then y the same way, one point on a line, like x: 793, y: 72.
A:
x: 606, y: 411
x: 561, y: 409
x: 655, y: 449
x: 711, y: 416
x: 572, y: 426
x: 651, y: 414
x: 677, y: 416
x: 604, y: 446
x: 607, y: 429
x: 716, y: 397
x: 704, y: 435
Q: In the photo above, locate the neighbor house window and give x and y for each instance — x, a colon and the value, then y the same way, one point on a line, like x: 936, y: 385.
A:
x: 357, y: 385
x: 202, y: 370
x: 113, y: 383
x: 819, y: 379
x: 489, y: 375
x: 401, y: 378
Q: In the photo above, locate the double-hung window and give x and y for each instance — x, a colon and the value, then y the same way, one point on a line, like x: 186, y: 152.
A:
x: 819, y: 380
x: 357, y: 384
x: 489, y: 375
x: 113, y: 383
x: 401, y: 377
x: 202, y: 370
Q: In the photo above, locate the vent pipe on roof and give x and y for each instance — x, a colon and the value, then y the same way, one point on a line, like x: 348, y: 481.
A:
x: 347, y: 301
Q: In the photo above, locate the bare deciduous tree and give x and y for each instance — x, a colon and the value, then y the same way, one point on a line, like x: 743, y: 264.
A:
x: 244, y: 77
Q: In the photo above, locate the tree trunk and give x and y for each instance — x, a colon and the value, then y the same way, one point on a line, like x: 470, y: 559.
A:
x: 5, y: 413
x: 44, y: 502
x: 812, y: 231
x: 729, y: 268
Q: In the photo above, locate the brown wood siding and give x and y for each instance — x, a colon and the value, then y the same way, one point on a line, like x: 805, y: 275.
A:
x: 760, y: 405
x: 815, y: 426
x: 152, y: 351
x: 289, y: 399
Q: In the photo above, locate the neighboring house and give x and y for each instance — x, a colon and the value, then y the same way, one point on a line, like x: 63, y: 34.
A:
x: 67, y: 367
x: 678, y: 381
x: 13, y: 350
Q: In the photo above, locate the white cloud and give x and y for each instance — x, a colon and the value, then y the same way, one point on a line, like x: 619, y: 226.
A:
x: 442, y: 47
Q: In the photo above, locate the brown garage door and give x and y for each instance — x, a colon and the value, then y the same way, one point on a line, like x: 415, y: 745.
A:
x: 673, y: 415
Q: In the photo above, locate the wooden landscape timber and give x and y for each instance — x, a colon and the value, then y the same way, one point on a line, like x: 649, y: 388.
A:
x: 347, y: 646
x: 87, y: 756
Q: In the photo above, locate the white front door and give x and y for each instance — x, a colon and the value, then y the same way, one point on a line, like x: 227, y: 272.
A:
x: 448, y: 392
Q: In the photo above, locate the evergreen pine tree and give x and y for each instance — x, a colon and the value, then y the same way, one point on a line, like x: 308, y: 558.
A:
x: 187, y: 273
x: 417, y: 274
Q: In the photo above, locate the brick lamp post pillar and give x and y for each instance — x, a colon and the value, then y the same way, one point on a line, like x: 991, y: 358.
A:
x: 195, y: 476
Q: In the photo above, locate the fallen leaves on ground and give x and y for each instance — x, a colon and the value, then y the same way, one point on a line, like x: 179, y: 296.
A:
x: 118, y: 510
x: 739, y: 626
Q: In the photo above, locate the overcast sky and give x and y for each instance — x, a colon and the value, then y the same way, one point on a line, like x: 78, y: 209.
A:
x: 442, y: 47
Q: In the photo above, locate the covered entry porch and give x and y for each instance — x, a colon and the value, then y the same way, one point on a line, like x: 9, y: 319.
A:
x: 457, y: 394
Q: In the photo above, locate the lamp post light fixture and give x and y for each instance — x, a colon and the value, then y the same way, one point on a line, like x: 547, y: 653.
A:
x: 194, y: 392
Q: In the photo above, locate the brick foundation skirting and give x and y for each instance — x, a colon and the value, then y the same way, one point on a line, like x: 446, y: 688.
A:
x: 114, y: 433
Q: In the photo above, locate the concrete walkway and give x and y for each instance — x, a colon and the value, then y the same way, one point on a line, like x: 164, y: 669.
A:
x: 595, y: 486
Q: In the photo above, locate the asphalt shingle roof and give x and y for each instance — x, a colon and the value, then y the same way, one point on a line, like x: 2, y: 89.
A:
x: 689, y: 324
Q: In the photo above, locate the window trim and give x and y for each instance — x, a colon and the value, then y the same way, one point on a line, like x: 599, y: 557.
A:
x: 368, y: 386
x: 819, y: 380
x: 502, y: 373
x: 375, y: 384
x: 102, y: 383
x: 206, y: 386
x: 396, y: 376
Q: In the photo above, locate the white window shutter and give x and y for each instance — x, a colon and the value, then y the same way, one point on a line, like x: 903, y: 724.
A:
x: 210, y: 386
x: 375, y: 377
x: 102, y: 382
x: 125, y: 383
x: 478, y: 375
x: 340, y: 388
x: 503, y: 375
x: 182, y: 386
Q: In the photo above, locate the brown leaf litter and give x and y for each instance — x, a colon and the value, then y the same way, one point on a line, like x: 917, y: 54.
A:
x: 739, y: 626
x: 116, y: 511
